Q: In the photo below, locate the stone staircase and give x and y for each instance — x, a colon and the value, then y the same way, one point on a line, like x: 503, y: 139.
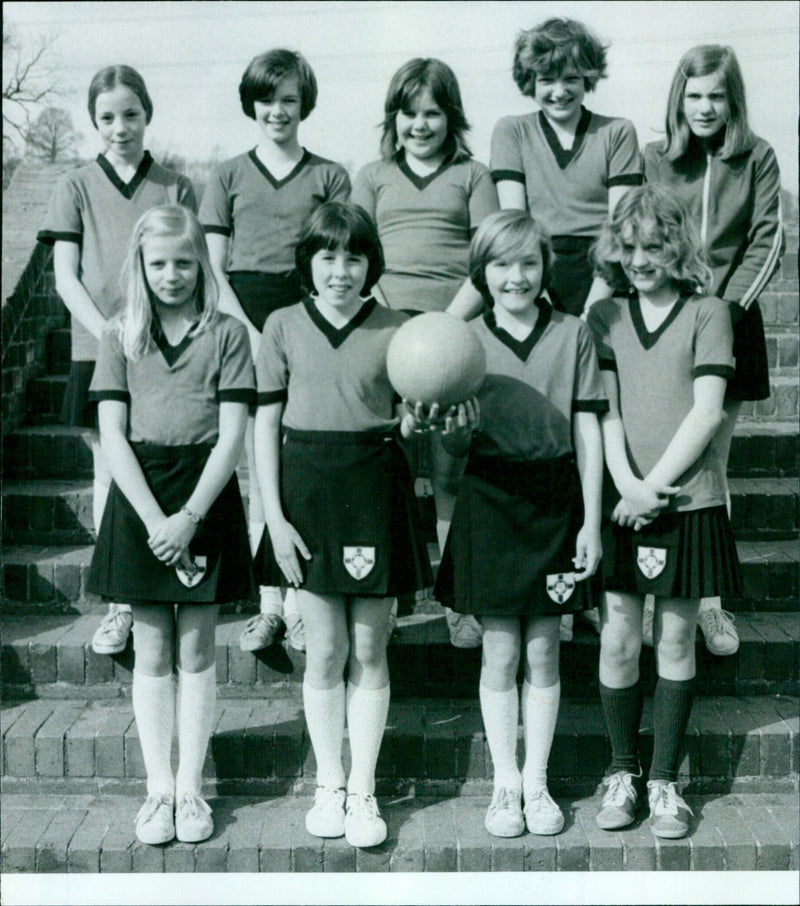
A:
x: 72, y: 772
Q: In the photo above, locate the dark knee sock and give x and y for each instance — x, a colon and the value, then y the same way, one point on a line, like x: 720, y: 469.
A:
x: 672, y: 704
x: 622, y: 709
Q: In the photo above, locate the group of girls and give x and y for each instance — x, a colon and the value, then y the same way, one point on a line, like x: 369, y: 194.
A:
x: 313, y: 288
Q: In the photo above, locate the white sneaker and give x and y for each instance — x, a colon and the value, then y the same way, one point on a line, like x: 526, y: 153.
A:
x: 542, y: 815
x: 504, y: 816
x: 193, y: 821
x: 111, y: 636
x: 465, y: 630
x: 155, y: 821
x: 669, y: 814
x: 260, y: 631
x: 326, y: 818
x: 648, y: 611
x: 363, y: 825
x: 718, y: 631
x: 565, y: 627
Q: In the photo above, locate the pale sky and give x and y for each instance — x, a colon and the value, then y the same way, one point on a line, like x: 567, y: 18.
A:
x: 192, y: 55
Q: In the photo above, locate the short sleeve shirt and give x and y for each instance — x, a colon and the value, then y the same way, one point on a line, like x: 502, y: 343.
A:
x: 567, y: 190
x: 174, y: 392
x: 92, y: 207
x: 264, y: 216
x: 329, y: 379
x: 534, y: 386
x: 655, y: 371
x: 425, y: 225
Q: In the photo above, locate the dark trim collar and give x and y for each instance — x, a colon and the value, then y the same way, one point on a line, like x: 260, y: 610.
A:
x: 521, y: 348
x: 278, y: 183
x: 171, y: 353
x: 126, y: 189
x: 646, y: 338
x: 563, y: 156
x: 421, y: 182
x: 337, y: 335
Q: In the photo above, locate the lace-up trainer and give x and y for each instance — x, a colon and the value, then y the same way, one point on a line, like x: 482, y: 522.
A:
x: 295, y: 631
x: 504, y: 816
x: 542, y: 815
x: 326, y: 818
x: 718, y: 631
x: 669, y: 814
x: 465, y: 630
x: 618, y: 808
x: 363, y: 825
x: 155, y: 822
x: 111, y: 636
x: 193, y: 821
x: 259, y: 631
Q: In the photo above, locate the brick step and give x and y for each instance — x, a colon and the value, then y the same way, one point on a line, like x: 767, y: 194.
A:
x: 59, y: 350
x: 433, y: 746
x: 60, y: 512
x: 57, y: 451
x: 44, y: 396
x: 51, y: 657
x: 733, y: 832
x: 53, y: 578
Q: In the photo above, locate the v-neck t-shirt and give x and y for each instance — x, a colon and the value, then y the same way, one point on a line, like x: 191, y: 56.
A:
x: 567, y: 190
x: 425, y: 225
x: 92, y: 207
x: 329, y: 379
x: 656, y: 372
x: 174, y: 392
x: 534, y: 386
x: 262, y: 216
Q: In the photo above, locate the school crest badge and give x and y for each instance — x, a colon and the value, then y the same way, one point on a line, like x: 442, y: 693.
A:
x: 191, y: 570
x: 358, y: 561
x: 560, y: 586
x: 652, y: 560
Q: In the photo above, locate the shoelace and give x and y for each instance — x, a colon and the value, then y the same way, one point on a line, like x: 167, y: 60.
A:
x: 501, y: 800
x: 667, y: 800
x: 114, y: 621
x: 365, y: 806
x: 620, y: 787
x: 541, y: 797
x: 328, y: 798
x: 716, y: 619
x: 254, y: 622
x: 194, y: 805
x: 151, y: 806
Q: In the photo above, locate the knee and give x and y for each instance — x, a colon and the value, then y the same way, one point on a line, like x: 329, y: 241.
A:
x: 501, y: 658
x: 195, y: 656
x: 325, y: 659
x: 152, y: 656
x: 541, y: 666
x: 676, y: 646
x: 367, y: 650
x: 619, y: 649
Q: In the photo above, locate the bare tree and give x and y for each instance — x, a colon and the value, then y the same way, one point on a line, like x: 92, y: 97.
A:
x: 28, y: 81
x: 52, y: 136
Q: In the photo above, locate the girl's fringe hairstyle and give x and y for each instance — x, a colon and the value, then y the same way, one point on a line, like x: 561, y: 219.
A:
x: 337, y: 225
x: 108, y: 79
x: 703, y: 60
x: 653, y: 214
x: 135, y: 325
x: 507, y: 234
x: 553, y: 46
x: 409, y: 80
x: 265, y: 71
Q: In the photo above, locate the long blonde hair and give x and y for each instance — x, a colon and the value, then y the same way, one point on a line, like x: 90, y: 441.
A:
x: 135, y: 324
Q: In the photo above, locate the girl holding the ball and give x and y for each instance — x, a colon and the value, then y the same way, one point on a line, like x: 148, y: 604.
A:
x: 339, y: 503
x: 427, y: 196
x: 531, y: 497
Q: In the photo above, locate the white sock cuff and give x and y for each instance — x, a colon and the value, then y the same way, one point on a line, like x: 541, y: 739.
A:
x: 544, y: 694
x: 154, y: 683
x: 200, y: 676
x: 270, y: 600
x: 322, y: 696
x: 359, y: 694
x: 710, y: 604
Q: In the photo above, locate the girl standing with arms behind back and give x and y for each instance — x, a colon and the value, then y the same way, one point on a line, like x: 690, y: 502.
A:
x: 253, y: 211
x: 173, y: 541
x: 729, y: 178
x: 89, y: 223
x: 664, y: 347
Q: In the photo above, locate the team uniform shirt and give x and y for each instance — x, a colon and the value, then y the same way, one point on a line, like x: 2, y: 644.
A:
x: 655, y: 371
x: 567, y: 190
x: 264, y: 216
x: 425, y: 225
x: 534, y: 386
x: 94, y: 208
x: 330, y: 379
x: 736, y: 205
x: 174, y: 392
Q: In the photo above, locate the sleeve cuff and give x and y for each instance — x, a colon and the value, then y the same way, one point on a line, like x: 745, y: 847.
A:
x: 220, y: 230
x: 119, y: 396
x: 626, y: 179
x: 500, y: 175
x: 272, y: 397
x: 598, y: 406
x: 238, y: 395
x: 723, y: 371
x: 607, y: 364
x: 50, y: 237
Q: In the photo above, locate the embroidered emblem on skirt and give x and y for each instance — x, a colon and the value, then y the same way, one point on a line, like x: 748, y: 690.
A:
x: 651, y: 560
x: 560, y: 586
x: 191, y: 570
x: 358, y: 561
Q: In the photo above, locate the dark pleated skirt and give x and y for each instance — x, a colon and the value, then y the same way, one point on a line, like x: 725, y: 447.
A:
x: 512, y: 539
x: 750, y: 379
x: 124, y: 568
x: 77, y: 409
x: 351, y: 498
x: 679, y: 555
x: 260, y: 294
x: 572, y: 273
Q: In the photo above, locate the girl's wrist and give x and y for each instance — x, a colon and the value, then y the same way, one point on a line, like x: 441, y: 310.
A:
x: 191, y: 515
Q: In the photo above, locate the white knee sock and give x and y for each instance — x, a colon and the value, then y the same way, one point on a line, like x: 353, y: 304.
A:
x: 367, y: 710
x: 197, y: 696
x: 539, y: 715
x: 154, y: 709
x: 710, y: 604
x: 324, y: 710
x: 500, y: 712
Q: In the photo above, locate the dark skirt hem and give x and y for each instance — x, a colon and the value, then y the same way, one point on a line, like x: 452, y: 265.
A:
x: 750, y: 381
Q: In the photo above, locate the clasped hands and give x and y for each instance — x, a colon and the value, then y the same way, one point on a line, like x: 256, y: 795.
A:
x: 642, y: 503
